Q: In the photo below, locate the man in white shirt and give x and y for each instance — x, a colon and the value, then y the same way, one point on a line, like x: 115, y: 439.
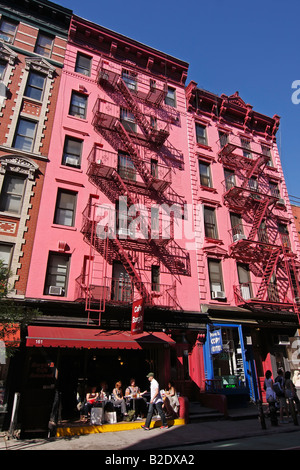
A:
x: 155, y: 399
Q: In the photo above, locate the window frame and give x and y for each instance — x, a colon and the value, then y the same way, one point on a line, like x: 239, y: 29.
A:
x: 73, y: 107
x: 171, y: 100
x: 51, y: 256
x: 220, y: 280
x: 202, y: 175
x: 80, y: 68
x: 210, y: 226
x: 201, y: 140
x: 59, y: 209
x: 69, y: 153
x: 5, y: 34
x: 39, y: 46
x: 33, y: 87
x: 24, y: 137
x: 4, y: 195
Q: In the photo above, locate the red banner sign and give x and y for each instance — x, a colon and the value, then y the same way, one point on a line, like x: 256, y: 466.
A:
x: 137, y: 319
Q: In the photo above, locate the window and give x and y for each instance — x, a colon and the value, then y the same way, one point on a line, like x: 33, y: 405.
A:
x: 2, y: 69
x: 244, y: 281
x: 121, y: 284
x: 170, y: 98
x: 210, y: 225
x: 5, y: 254
x: 7, y: 30
x: 25, y: 135
x: 72, y: 152
x: 205, y: 176
x: 57, y: 274
x: 12, y: 193
x: 78, y: 105
x: 128, y: 120
x: 126, y: 168
x: 129, y: 79
x: 236, y: 225
x: 65, y: 208
x: 223, y: 138
x: 83, y: 64
x: 215, y: 278
x: 201, y: 134
x: 245, y: 143
x: 35, y: 86
x: 267, y: 151
x: 229, y: 179
x: 274, y: 190
x: 155, y: 278
x: 44, y: 45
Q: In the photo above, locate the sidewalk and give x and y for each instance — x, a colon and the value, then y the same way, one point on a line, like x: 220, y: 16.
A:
x: 137, y: 439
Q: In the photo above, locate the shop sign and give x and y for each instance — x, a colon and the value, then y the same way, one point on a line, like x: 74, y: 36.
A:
x: 215, y: 341
x: 137, y: 319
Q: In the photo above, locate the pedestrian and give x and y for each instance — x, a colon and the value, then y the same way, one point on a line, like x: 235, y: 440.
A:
x: 157, y: 401
x: 290, y: 389
x: 268, y: 386
x: 279, y: 388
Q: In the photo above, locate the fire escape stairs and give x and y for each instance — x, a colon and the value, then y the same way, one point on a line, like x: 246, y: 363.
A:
x: 268, y: 272
x: 154, y: 136
x: 258, y: 217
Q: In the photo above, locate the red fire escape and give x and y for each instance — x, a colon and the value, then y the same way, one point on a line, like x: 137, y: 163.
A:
x: 145, y: 179
x: 258, y: 242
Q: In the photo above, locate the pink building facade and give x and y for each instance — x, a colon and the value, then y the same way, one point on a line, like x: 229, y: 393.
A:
x: 247, y: 243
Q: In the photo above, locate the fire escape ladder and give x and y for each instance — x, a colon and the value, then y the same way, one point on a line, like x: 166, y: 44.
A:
x: 134, y: 107
x: 130, y: 269
x: 259, y: 215
x: 293, y: 282
x: 268, y: 272
x: 134, y: 153
x: 123, y: 188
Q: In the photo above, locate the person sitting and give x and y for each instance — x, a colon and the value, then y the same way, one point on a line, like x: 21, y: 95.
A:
x: 134, y: 394
x: 118, y: 398
x: 90, y: 400
x: 171, y: 402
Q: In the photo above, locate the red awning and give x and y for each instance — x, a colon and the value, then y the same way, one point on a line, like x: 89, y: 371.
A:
x: 47, y: 336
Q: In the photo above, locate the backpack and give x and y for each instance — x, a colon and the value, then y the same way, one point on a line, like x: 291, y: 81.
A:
x: 278, y: 387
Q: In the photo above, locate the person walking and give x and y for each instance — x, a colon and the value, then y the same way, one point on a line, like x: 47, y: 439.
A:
x: 155, y: 400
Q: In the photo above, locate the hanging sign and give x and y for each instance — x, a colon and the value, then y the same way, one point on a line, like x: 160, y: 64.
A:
x: 137, y: 319
x: 215, y: 341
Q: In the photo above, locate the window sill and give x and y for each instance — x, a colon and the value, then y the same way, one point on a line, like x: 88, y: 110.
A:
x: 203, y: 146
x: 208, y: 188
x: 64, y: 227
x: 72, y: 168
x: 10, y: 215
x: 216, y: 241
x: 77, y: 118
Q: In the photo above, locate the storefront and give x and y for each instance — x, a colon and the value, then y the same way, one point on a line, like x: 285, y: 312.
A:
x: 70, y: 360
x: 229, y: 364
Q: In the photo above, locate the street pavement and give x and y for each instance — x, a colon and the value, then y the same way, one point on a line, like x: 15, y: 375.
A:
x: 116, y: 443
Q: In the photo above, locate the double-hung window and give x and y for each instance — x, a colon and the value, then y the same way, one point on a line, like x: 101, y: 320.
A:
x: 12, y: 193
x: 78, y: 105
x: 210, y: 223
x: 25, y: 135
x: 130, y: 79
x: 170, y: 98
x: 205, y: 175
x: 128, y: 120
x: 65, y: 208
x: 83, y: 64
x: 215, y: 278
x: 7, y: 30
x: 72, y: 152
x: 44, y: 45
x: 201, y: 136
x: 57, y: 274
x: 35, y: 86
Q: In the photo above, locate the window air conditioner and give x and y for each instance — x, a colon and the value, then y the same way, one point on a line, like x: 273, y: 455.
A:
x: 280, y: 201
x: 71, y: 161
x: 218, y: 295
x: 239, y: 236
x: 54, y: 290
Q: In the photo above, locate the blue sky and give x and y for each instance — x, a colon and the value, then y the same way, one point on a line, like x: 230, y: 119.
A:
x: 231, y: 45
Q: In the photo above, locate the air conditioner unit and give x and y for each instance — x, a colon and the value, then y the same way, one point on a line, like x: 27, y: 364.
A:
x: 281, y: 202
x: 218, y: 295
x: 239, y: 236
x: 54, y: 290
x: 71, y: 161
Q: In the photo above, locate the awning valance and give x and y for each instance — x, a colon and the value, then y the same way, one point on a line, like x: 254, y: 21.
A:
x: 48, y: 336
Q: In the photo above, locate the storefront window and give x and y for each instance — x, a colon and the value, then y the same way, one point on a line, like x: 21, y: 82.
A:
x: 227, y: 360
